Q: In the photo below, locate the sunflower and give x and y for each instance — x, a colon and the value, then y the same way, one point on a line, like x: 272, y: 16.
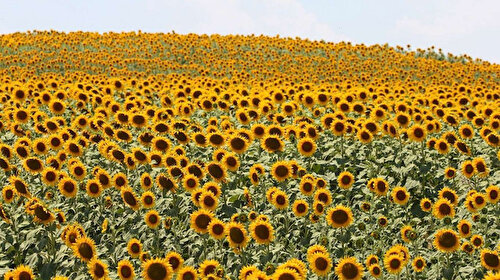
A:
x: 157, y: 269
x: 216, y: 171
x: 468, y: 169
x: 339, y: 216
x: 478, y: 200
x: 464, y: 228
x: 246, y: 271
x: 467, y: 247
x: 300, y: 208
x: 425, y: 204
x: 134, y: 248
x: 8, y: 193
x: 262, y: 232
x: 237, y: 144
x: 492, y: 194
x: 371, y: 260
x: 375, y: 270
x: 306, y: 186
x: 417, y: 133
x: 442, y: 146
x: 477, y: 241
x: 285, y: 274
x: 324, y: 196
x: 231, y: 162
x: 364, y: 136
x: 407, y: 233
x: 93, y: 188
x: 345, y: 180
x: 84, y: 248
x: 449, y: 194
x: 393, y: 263
x: 320, y: 264
x: 23, y: 272
x: 446, y: 240
x: 480, y: 167
x: 125, y: 270
x: 281, y: 171
x: 120, y: 180
x: 216, y: 139
x: 146, y: 181
x: 348, y: 268
x: 306, y: 146
x: 208, y: 267
x: 187, y: 273
x: 200, y: 220
x: 152, y: 219
x: 280, y: 199
x: 382, y: 221
x: 236, y: 235
x: 175, y: 260
x: 381, y: 187
x: 216, y: 229
x: 466, y: 131
x: 130, y: 198
x: 208, y: 200
x: 450, y: 172
x: 42, y: 214
x: 148, y: 199
x: 98, y: 269
x: 33, y: 165
x: 400, y: 195
x: 272, y: 143
x: 490, y: 260
x: 443, y: 208
x: 68, y: 187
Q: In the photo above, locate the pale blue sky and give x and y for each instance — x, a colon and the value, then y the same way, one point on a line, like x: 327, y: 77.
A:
x: 456, y: 26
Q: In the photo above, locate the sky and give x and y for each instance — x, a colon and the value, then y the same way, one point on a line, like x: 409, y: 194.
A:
x: 457, y: 26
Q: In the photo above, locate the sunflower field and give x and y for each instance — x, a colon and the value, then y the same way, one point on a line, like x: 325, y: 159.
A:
x: 164, y: 156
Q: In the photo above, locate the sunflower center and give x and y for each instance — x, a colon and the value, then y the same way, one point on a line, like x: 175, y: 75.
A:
x: 307, y: 146
x: 99, y: 270
x: 339, y: 216
x: 350, y: 271
x: 188, y: 276
x: 444, y: 209
x: 85, y: 251
x: 395, y: 263
x: 202, y: 221
x: 321, y: 264
x: 24, y: 276
x: 157, y: 271
x: 491, y: 259
x: 262, y: 231
x: 126, y: 272
x: 400, y: 195
x: 236, y: 235
x: 448, y: 240
x: 34, y: 164
x: 282, y: 171
x: 174, y: 262
x: 216, y: 171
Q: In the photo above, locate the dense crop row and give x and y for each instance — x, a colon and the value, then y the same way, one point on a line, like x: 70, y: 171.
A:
x: 165, y: 156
